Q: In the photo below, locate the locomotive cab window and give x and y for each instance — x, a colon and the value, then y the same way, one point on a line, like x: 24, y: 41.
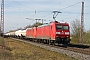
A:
x: 59, y: 27
x: 65, y: 27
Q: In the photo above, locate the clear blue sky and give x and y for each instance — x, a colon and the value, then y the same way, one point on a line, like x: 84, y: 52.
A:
x: 16, y: 12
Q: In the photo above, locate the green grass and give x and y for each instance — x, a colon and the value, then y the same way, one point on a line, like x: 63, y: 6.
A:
x: 77, y: 40
x: 16, y: 50
x: 2, y: 42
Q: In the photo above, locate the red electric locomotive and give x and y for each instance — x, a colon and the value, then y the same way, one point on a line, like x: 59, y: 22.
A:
x: 29, y: 33
x: 55, y: 32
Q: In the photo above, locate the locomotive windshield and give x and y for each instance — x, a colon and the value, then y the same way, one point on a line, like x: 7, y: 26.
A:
x: 65, y: 27
x: 58, y: 27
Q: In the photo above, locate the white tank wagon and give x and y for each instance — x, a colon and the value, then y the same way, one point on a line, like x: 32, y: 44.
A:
x: 20, y: 33
x: 10, y: 34
x: 6, y: 35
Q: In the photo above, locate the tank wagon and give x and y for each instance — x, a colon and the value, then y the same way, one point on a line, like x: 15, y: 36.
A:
x: 9, y: 34
x: 20, y: 34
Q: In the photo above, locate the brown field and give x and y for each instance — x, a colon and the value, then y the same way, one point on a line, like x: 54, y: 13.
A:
x: 15, y: 50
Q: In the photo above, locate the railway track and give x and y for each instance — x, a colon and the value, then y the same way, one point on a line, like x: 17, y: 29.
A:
x: 79, y: 48
x: 80, y: 52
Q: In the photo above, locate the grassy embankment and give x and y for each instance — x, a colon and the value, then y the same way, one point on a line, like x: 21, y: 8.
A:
x: 16, y: 50
x: 77, y: 40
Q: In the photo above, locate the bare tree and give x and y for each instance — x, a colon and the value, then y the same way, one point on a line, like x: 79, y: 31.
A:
x: 35, y: 24
x: 28, y: 26
x: 19, y: 28
x: 75, y: 28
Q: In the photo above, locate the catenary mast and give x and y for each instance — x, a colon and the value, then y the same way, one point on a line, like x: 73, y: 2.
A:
x: 2, y: 18
x: 82, y: 23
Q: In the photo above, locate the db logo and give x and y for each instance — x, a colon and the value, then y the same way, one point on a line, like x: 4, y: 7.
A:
x: 62, y: 32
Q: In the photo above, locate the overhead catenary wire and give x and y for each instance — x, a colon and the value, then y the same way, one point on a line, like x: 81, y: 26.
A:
x: 23, y: 5
x: 72, y: 5
x: 33, y: 8
x: 56, y: 4
x: 67, y: 7
x: 36, y: 9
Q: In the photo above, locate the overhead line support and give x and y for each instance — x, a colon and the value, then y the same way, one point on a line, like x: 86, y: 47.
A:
x: 82, y: 23
x: 2, y: 18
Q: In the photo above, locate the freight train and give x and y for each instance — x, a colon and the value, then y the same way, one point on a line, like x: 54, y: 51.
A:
x: 52, y: 33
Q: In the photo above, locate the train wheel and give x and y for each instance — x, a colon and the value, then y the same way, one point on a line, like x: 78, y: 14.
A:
x: 49, y: 42
x: 54, y: 42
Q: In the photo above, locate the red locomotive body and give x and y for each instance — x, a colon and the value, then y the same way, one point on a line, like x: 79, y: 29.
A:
x: 56, y: 32
x: 29, y: 33
x: 62, y: 33
x: 34, y: 32
x: 43, y: 32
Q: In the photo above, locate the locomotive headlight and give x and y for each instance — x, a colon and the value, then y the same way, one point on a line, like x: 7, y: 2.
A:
x: 67, y: 36
x: 66, y: 32
x: 57, y: 32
